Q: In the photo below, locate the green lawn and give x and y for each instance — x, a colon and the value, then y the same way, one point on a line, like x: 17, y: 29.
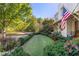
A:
x: 36, y: 45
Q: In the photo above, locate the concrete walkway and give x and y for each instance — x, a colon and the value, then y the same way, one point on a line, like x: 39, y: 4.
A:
x: 18, y: 35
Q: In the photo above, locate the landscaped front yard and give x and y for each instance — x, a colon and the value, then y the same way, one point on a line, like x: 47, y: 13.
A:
x: 36, y: 45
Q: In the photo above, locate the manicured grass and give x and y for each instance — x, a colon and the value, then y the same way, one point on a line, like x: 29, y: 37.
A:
x: 36, y: 45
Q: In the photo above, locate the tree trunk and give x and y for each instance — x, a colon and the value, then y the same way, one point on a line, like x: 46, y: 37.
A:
x: 3, y: 40
x: 3, y: 35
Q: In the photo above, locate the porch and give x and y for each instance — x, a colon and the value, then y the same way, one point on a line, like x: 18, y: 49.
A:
x: 73, y: 27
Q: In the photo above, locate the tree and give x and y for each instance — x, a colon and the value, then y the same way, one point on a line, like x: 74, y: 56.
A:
x: 9, y: 12
x: 40, y: 21
x: 48, y: 25
x: 34, y: 25
x: 17, y: 25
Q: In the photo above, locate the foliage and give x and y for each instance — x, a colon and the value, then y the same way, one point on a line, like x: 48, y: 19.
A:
x: 45, y: 31
x: 72, y: 46
x: 1, y: 48
x: 36, y: 45
x: 8, y: 45
x: 17, y: 52
x: 56, y: 50
x: 10, y: 29
x: 25, y: 39
x: 34, y: 25
x: 48, y: 21
x: 9, y: 12
x: 20, y: 51
x: 75, y: 41
x: 17, y: 25
x: 47, y: 27
x: 57, y: 36
x: 40, y: 22
x: 72, y: 50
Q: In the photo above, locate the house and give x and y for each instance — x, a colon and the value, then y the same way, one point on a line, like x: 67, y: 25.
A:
x: 72, y: 22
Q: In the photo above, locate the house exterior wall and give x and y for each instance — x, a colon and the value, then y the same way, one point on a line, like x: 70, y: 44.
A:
x: 77, y: 26
x: 70, y: 24
x: 71, y: 27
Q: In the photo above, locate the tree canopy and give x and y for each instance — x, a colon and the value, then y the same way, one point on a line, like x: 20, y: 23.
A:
x: 12, y: 11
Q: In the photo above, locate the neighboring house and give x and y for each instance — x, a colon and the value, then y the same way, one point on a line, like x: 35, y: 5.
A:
x: 72, y: 23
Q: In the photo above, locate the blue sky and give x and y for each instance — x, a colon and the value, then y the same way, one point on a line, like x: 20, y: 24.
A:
x: 44, y: 10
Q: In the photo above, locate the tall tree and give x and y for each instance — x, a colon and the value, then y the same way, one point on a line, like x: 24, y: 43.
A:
x: 48, y: 25
x: 9, y: 12
x: 34, y: 25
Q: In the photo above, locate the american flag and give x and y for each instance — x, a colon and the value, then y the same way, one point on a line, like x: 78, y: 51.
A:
x: 65, y: 15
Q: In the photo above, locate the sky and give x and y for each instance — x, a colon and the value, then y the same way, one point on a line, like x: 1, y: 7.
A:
x: 44, y: 10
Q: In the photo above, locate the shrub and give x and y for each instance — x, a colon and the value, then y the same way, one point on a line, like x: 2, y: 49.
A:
x: 8, y: 45
x: 72, y: 46
x: 74, y: 52
x: 75, y: 41
x: 46, y: 30
x: 18, y: 52
x: 56, y: 50
x: 1, y: 48
x: 25, y: 39
x: 57, y: 36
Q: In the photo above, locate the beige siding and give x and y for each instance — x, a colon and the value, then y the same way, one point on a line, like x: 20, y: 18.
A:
x: 77, y: 25
x: 71, y: 27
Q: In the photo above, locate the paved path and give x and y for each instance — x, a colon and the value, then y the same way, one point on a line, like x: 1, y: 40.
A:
x: 17, y: 35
